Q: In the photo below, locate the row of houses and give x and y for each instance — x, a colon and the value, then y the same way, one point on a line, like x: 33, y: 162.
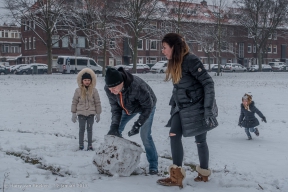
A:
x: 22, y: 45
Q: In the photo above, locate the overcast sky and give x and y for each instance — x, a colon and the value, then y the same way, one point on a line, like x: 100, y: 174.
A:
x: 5, y: 19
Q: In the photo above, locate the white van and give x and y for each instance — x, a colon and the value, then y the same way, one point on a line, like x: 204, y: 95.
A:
x: 159, y: 67
x: 67, y: 64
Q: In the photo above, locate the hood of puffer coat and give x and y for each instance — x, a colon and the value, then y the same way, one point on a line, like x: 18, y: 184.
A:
x: 86, y: 70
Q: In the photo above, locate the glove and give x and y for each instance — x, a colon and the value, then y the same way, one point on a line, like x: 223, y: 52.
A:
x: 239, y: 124
x: 114, y: 130
x: 74, y: 117
x: 264, y: 119
x: 211, y: 121
x: 97, y: 118
x: 135, y: 129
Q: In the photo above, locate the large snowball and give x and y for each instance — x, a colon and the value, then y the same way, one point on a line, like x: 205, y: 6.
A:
x: 117, y: 156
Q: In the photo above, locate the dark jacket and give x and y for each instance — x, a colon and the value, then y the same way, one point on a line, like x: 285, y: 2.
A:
x: 193, y: 96
x: 247, y: 118
x: 137, y: 97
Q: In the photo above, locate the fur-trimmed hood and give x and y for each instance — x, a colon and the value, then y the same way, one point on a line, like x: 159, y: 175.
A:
x: 91, y: 72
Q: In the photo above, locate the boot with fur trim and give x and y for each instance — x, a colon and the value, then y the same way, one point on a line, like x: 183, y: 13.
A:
x: 177, y: 175
x: 203, y: 174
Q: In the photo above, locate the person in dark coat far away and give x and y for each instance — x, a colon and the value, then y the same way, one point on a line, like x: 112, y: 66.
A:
x: 192, y: 103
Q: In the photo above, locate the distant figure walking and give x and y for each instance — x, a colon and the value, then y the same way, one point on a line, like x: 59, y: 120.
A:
x: 247, y: 117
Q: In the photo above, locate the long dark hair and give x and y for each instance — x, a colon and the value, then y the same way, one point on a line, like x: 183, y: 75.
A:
x: 180, y: 49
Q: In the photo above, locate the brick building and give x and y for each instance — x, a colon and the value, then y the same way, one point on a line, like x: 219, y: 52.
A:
x: 240, y: 47
x: 10, y: 43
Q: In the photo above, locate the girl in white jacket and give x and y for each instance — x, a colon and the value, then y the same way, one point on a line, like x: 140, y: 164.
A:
x: 86, y: 104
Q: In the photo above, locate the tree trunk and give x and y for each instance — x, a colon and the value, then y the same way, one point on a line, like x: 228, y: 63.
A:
x: 135, y: 55
x: 49, y: 53
x: 259, y: 58
x: 209, y: 63
x: 104, y: 58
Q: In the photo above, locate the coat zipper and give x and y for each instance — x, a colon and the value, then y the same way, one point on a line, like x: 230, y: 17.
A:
x: 122, y: 104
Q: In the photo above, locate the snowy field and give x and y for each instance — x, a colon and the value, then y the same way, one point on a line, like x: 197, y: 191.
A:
x: 38, y: 141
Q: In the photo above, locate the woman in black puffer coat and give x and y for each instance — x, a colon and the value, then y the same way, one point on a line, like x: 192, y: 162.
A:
x: 247, y: 117
x: 192, y: 112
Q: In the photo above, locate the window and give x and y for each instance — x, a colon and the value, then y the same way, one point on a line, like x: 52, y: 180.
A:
x: 5, y: 48
x: 34, y: 43
x: 6, y: 34
x: 254, y: 48
x: 29, y: 44
x: 65, y: 42
x: 241, y: 50
x: 199, y: 47
x: 153, y: 24
x: 25, y: 43
x: 269, y: 49
x: 112, y: 44
x: 153, y: 44
x: 275, y: 35
x: 249, y: 48
x: 55, y: 40
x: 270, y: 36
x: 250, y: 34
x: 275, y: 49
x: 81, y: 42
x: 82, y: 62
x: 100, y: 44
x: 147, y: 44
x: 147, y: 59
x: 14, y: 49
x: 92, y: 62
x: 140, y: 44
x: 230, y: 47
x: 153, y: 60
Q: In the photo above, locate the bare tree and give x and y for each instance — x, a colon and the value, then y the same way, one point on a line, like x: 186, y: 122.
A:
x: 101, y: 28
x: 48, y: 17
x: 179, y: 12
x: 261, y: 18
x: 140, y: 20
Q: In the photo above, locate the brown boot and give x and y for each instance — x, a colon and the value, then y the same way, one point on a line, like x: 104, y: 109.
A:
x: 177, y: 174
x: 203, y: 174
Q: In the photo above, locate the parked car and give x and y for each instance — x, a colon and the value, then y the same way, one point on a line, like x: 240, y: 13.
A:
x: 159, y: 67
x: 117, y: 66
x: 3, y: 70
x: 140, y: 68
x: 13, y: 69
x: 215, y: 68
x: 206, y: 66
x: 41, y: 69
x: 265, y: 68
x: 277, y: 66
x: 67, y: 64
x: 234, y: 67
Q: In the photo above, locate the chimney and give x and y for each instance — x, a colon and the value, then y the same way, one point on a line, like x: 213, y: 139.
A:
x: 204, y: 3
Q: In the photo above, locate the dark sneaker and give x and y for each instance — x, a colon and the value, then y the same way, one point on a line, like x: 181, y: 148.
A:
x: 90, y: 148
x: 249, y: 138
x: 81, y: 147
x: 256, y: 132
x: 153, y: 172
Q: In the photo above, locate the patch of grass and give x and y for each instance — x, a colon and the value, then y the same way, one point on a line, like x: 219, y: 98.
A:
x: 164, y: 157
x: 35, y: 161
x: 192, y: 166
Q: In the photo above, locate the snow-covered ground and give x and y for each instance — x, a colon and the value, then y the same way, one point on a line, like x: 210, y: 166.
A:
x: 38, y: 141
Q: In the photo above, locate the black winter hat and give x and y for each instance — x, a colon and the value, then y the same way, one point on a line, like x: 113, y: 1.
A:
x: 86, y: 76
x: 113, y: 77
